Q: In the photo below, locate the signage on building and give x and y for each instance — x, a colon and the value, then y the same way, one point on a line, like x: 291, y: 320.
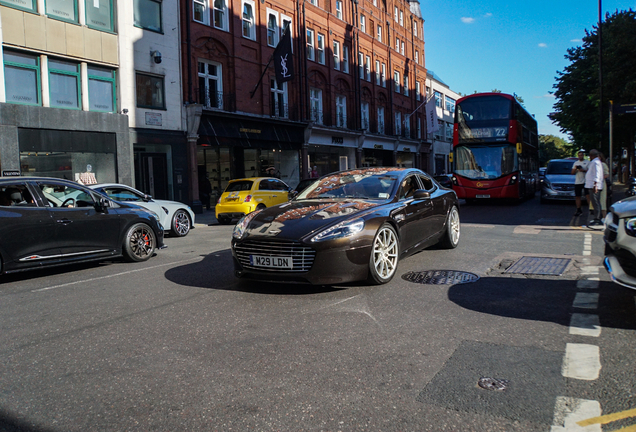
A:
x: 10, y: 173
x: 378, y: 146
x: 246, y: 130
x: 406, y: 149
x: 337, y: 140
x: 153, y: 119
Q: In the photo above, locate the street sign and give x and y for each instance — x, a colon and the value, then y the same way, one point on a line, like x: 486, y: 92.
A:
x: 11, y: 173
x: 624, y: 109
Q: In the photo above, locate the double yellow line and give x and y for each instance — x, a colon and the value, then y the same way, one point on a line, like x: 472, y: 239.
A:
x: 611, y: 418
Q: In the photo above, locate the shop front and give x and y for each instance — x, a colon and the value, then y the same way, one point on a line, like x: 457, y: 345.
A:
x: 329, y: 151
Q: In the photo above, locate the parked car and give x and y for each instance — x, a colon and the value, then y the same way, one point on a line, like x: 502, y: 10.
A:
x: 176, y: 217
x: 542, y: 172
x: 620, y: 242
x: 558, y: 181
x: 49, y: 222
x: 243, y: 196
x: 348, y: 226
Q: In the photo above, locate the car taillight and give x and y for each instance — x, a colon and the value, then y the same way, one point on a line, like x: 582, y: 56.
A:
x: 248, y: 198
x: 218, y: 201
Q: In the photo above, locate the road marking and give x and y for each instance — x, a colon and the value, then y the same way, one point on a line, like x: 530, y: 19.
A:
x: 590, y: 269
x: 114, y: 275
x: 608, y: 418
x: 568, y: 411
x: 585, y: 300
x: 581, y: 361
x: 587, y: 283
x: 585, y: 325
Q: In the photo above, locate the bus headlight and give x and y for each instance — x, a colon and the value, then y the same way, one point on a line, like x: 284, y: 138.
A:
x: 513, y: 180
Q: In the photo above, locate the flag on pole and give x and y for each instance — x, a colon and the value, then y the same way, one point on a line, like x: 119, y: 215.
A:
x: 283, y: 63
x: 431, y: 116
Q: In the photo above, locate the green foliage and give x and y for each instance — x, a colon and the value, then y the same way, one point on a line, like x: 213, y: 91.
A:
x: 553, y: 147
x: 577, y: 110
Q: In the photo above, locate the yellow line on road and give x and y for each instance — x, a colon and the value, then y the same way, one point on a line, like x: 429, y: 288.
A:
x: 611, y: 418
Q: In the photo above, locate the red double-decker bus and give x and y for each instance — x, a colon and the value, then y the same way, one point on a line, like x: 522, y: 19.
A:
x: 495, y: 148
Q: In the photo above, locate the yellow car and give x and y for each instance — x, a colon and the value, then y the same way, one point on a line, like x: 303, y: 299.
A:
x: 243, y: 196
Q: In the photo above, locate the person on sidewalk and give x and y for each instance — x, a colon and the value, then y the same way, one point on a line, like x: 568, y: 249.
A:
x: 594, y: 183
x: 579, y: 168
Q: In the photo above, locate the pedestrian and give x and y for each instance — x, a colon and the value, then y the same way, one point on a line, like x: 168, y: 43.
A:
x: 314, y: 172
x: 624, y: 171
x: 606, y: 185
x: 593, y: 187
x: 205, y: 188
x: 579, y: 168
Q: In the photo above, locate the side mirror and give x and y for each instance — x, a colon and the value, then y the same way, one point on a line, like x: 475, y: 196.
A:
x: 101, y: 205
x: 421, y: 194
x: 147, y: 197
x: 292, y: 194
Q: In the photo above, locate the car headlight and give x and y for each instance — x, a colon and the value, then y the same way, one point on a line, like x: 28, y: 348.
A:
x: 547, y: 183
x: 343, y: 229
x: 241, y: 225
x: 630, y: 226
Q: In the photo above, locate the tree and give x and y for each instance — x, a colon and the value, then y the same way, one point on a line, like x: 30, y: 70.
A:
x: 553, y: 147
x: 577, y: 87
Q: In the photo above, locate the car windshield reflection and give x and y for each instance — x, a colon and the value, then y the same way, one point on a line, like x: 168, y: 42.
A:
x: 366, y: 184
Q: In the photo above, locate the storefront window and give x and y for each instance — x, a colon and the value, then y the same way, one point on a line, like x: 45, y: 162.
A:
x: 101, y: 89
x: 22, y: 78
x: 62, y: 9
x: 84, y: 167
x: 150, y: 91
x: 147, y: 14
x: 99, y: 14
x: 64, y: 82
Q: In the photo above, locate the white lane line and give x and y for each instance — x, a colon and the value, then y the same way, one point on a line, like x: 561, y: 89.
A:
x: 587, y: 283
x: 585, y: 325
x: 568, y: 411
x: 587, y: 245
x: 115, y: 275
x: 581, y: 361
x: 591, y: 270
x: 585, y: 300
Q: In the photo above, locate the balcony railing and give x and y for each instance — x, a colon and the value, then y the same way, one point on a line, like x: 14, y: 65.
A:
x: 279, y: 110
x: 217, y: 100
x: 380, y: 127
x: 365, y: 124
x: 316, y: 116
x: 341, y: 120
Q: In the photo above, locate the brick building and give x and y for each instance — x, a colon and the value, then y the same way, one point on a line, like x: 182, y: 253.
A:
x: 359, y: 78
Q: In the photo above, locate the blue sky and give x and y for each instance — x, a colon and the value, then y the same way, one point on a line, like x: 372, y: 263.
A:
x: 514, y: 46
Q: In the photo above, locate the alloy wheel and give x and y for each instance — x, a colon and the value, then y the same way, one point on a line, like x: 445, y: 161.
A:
x: 385, y: 253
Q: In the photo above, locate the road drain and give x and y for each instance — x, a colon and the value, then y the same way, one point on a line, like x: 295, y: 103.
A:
x: 539, y: 266
x: 493, y: 384
x: 440, y: 277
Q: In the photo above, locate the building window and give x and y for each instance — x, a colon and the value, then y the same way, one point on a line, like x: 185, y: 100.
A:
x: 27, y: 5
x: 320, y: 49
x: 287, y: 25
x: 397, y: 44
x: 272, y: 28
x: 336, y: 55
x: 407, y: 126
x: 339, y: 9
x: 417, y: 57
x: 147, y: 15
x: 361, y: 65
x: 406, y: 85
x: 99, y: 15
x: 64, y: 84
x: 364, y: 114
x: 439, y: 135
x: 381, y: 120
x: 314, y: 2
x: 367, y: 68
x: 220, y: 14
x: 450, y: 104
x: 375, y: 2
x: 363, y: 23
x: 65, y: 10
x: 379, y: 33
x: 101, y: 89
x: 419, y: 128
x: 415, y: 28
x: 310, y: 45
x: 402, y: 18
x: 22, y: 78
x: 341, y: 111
x: 210, y: 84
x: 395, y: 13
x: 200, y: 11
x: 377, y: 72
x: 402, y: 47
x: 449, y: 132
x: 315, y: 102
x: 279, y: 99
x: 398, y: 123
x: 396, y: 81
x: 438, y: 99
x: 249, y: 28
x: 383, y: 75
x: 150, y: 90
x: 417, y: 90
x: 345, y: 59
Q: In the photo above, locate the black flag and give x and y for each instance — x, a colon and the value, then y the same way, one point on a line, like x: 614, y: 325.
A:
x: 283, y: 59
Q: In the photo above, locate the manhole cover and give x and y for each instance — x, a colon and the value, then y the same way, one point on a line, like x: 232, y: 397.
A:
x: 440, y: 277
x: 494, y: 384
x: 539, y: 266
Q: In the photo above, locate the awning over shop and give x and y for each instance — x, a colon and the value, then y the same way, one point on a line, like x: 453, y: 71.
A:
x: 224, y: 131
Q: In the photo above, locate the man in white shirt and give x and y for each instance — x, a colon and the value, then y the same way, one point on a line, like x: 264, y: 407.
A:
x: 579, y: 168
x: 594, y: 185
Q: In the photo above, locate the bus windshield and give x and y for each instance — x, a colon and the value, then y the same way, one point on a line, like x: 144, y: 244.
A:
x: 485, y: 162
x: 484, y: 108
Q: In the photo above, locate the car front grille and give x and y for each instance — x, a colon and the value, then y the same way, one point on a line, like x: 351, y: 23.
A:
x: 563, y: 187
x: 302, y: 256
x: 611, y: 228
x: 627, y: 261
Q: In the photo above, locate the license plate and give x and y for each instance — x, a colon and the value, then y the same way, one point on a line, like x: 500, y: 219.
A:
x: 271, y: 262
x: 482, y: 196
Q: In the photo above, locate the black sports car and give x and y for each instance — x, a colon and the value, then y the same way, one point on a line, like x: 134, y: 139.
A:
x: 48, y: 222
x: 350, y: 225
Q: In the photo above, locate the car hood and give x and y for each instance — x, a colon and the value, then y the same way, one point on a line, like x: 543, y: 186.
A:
x: 561, y: 178
x: 297, y: 219
x: 624, y: 208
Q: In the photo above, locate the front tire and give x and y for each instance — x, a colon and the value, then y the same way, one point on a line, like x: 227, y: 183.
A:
x: 450, y: 239
x: 384, y: 255
x: 140, y: 243
x: 181, y: 223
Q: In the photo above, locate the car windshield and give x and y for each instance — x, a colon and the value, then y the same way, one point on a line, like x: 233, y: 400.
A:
x: 242, y: 185
x: 485, y: 162
x: 560, y: 167
x: 372, y: 183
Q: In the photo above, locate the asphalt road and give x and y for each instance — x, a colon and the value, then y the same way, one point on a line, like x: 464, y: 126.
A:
x: 177, y: 343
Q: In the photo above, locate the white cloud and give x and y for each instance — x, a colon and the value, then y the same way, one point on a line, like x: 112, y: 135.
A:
x: 468, y: 20
x: 488, y: 15
x: 542, y: 45
x: 576, y: 40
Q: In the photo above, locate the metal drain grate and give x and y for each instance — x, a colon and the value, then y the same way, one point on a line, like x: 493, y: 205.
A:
x: 492, y: 383
x: 539, y: 266
x: 440, y: 277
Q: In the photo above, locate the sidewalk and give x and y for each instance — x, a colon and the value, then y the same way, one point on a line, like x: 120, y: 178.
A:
x: 206, y: 218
